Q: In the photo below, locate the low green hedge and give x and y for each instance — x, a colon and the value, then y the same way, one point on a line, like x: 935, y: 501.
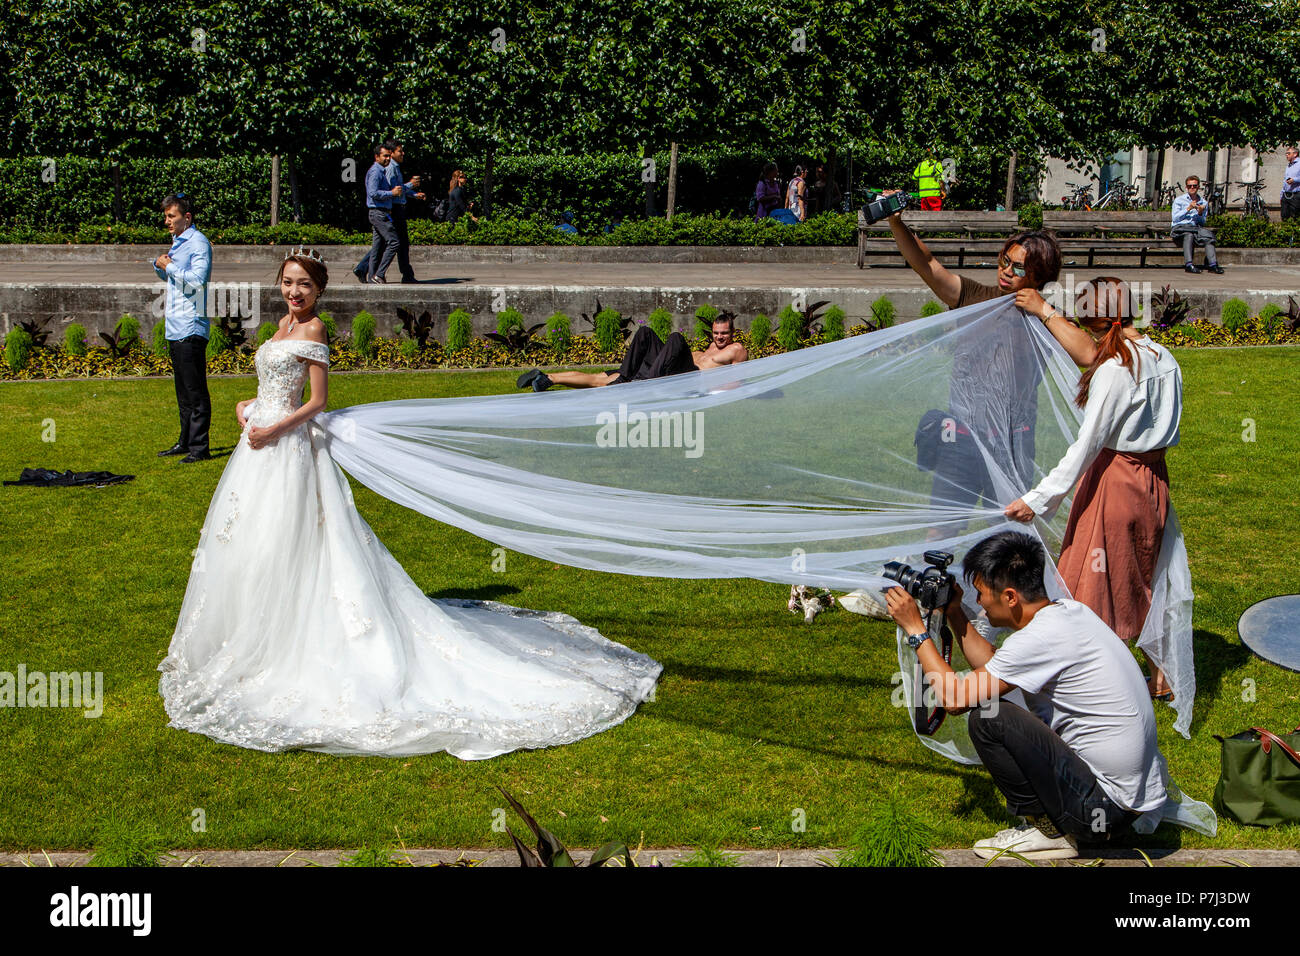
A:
x: 554, y: 347
x: 828, y: 229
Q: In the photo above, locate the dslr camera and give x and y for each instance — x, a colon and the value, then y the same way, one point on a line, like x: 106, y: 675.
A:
x: 932, y: 587
x: 879, y: 206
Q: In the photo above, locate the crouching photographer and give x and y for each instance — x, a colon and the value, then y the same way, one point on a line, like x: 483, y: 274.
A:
x: 1080, y: 764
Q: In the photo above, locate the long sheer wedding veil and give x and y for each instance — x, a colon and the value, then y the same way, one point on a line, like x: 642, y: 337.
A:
x: 811, y: 467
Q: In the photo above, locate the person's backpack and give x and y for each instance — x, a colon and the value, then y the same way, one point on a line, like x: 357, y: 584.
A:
x: 439, y: 212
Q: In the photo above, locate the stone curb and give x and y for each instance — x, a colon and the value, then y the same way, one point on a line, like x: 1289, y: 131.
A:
x: 667, y: 856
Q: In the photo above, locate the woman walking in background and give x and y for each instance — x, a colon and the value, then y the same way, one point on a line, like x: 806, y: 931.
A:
x: 458, y: 203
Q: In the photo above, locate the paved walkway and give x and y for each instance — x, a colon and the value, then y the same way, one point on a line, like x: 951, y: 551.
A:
x: 798, y: 858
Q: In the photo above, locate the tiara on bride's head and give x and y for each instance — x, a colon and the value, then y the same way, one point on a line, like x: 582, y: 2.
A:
x: 304, y: 253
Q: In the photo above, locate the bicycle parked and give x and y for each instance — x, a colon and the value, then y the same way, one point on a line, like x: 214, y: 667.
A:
x: 1120, y: 195
x: 1166, y: 195
x: 1079, y: 199
x: 1253, y: 201
x: 1216, y: 197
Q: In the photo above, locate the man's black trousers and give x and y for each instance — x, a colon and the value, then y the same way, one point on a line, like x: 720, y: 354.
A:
x: 648, y: 357
x: 190, y: 372
x: 1041, y: 776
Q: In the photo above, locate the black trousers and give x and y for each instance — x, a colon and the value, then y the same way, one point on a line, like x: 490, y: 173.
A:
x: 386, y: 241
x: 1040, y: 775
x: 190, y: 372
x: 1291, y: 206
x: 648, y: 357
x: 398, y: 215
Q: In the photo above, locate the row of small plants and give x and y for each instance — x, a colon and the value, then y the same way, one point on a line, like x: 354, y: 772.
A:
x: 29, y: 354
x: 827, y: 229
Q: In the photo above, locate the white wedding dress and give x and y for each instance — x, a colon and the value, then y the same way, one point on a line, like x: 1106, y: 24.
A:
x: 300, y: 631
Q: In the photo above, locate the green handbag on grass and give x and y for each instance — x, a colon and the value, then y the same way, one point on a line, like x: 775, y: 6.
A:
x: 1259, y: 779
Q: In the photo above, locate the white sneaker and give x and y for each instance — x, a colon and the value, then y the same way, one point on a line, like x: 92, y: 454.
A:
x: 864, y: 602
x: 1029, y: 842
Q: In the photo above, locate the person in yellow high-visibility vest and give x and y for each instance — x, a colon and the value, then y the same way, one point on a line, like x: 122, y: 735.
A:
x: 929, y: 177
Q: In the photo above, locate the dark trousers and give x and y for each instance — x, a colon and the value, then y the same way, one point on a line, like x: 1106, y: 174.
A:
x: 398, y: 214
x: 1290, y: 206
x: 190, y: 371
x: 961, y: 477
x: 1041, y: 776
x: 648, y: 357
x: 1196, y: 235
x: 386, y: 241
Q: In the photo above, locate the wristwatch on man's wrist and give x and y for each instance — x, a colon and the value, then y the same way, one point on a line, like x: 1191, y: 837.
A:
x: 916, y: 640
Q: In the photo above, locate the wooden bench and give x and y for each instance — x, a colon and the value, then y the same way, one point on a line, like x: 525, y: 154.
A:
x: 965, y: 223
x: 1094, y: 233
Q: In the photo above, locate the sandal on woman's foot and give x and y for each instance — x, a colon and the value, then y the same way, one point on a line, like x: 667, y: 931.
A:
x: 1166, y: 695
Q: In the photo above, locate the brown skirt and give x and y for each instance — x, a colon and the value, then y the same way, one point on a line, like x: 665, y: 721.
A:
x: 1112, y: 541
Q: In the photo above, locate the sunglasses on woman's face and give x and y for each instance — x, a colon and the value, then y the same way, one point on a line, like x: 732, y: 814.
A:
x: 1017, y: 268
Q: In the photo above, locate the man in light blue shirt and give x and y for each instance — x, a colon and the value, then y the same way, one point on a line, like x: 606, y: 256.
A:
x: 393, y: 177
x: 379, y: 206
x: 1291, y: 184
x: 186, y: 268
x: 1188, y: 226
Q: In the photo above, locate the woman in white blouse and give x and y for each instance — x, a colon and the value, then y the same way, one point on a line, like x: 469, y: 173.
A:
x: 1132, y: 400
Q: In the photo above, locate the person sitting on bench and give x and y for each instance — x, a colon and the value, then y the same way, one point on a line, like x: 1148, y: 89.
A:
x: 647, y: 357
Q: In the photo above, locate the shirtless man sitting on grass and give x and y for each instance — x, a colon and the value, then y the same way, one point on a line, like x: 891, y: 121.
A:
x: 647, y: 357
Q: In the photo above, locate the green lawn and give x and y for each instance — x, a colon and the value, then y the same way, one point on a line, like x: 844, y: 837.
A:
x: 756, y: 717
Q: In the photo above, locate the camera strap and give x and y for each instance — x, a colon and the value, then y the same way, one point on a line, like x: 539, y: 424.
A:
x: 925, y: 721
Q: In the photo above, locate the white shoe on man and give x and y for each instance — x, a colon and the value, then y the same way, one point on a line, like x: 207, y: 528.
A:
x: 1029, y: 842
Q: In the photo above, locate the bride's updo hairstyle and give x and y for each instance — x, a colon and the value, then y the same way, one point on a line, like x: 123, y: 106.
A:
x: 312, y: 262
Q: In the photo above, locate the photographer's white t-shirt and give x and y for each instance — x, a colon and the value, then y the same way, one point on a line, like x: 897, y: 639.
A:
x: 1080, y: 677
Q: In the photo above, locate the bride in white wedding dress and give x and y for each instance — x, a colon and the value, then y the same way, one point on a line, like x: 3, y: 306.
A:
x: 300, y: 631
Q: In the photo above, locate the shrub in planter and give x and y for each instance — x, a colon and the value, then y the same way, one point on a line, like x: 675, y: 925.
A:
x: 217, y: 342
x: 160, y: 346
x: 883, y: 313
x: 760, y: 330
x: 460, y: 329
x: 661, y: 322
x: 508, y: 319
x: 363, y: 334
x: 74, y: 339
x: 789, y: 329
x: 931, y: 308
x: 609, y: 330
x: 408, y: 348
x: 559, y: 331
x: 265, y: 331
x: 833, y: 324
x: 127, y: 331
x: 18, y: 348
x: 331, y: 327
x: 1269, y: 318
x: 1235, y: 314
x: 704, y: 317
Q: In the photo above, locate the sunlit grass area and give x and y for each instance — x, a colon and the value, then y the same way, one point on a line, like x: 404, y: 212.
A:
x: 759, y: 721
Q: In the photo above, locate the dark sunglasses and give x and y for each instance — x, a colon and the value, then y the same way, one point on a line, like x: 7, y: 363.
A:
x: 1017, y: 268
